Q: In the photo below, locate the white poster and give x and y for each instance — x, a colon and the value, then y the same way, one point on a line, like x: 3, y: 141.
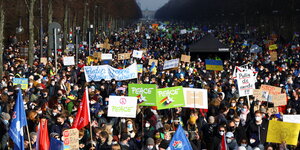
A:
x: 169, y: 64
x: 106, y: 56
x: 291, y: 118
x: 246, y: 82
x: 137, y: 54
x: 69, y: 60
x: 122, y: 106
x: 195, y: 98
x: 183, y: 31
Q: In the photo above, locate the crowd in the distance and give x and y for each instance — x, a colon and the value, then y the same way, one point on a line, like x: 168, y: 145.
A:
x: 55, y: 94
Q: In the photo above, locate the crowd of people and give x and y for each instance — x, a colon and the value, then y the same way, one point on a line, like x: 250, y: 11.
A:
x: 55, y: 93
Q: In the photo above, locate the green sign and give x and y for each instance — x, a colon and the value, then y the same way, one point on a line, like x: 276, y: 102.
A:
x: 169, y: 97
x: 146, y: 93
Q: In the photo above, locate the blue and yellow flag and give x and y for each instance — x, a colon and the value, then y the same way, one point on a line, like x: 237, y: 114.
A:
x: 216, y: 65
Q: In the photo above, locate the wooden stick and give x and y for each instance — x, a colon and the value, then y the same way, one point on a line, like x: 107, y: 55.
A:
x: 29, y: 137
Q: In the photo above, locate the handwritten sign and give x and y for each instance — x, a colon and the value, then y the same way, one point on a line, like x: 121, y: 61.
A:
x: 273, y: 55
x: 71, y: 141
x: 68, y: 61
x: 123, y: 56
x: 246, y: 82
x: 170, y: 64
x: 279, y: 100
x: 185, y: 58
x: 22, y: 81
x: 153, y: 60
x: 44, y: 60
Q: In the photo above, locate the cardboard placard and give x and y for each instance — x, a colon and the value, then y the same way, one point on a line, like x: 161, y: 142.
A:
x: 153, y: 60
x: 97, y: 55
x: 273, y: 55
x: 44, y: 60
x: 70, y: 137
x: 195, y: 98
x: 185, y: 58
x: 69, y: 60
x: 273, y: 110
x: 124, y: 56
x: 117, y: 43
x: 279, y: 100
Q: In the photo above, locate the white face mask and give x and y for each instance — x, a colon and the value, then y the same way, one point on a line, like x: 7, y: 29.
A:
x: 252, y: 141
x: 221, y: 133
x: 147, y: 125
x: 258, y: 119
x: 150, y: 147
x: 229, y: 140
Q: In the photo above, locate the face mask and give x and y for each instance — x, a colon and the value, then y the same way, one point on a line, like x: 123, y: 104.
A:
x: 252, y: 141
x: 123, y: 120
x: 59, y: 108
x: 93, y: 102
x: 54, y: 114
x: 157, y: 136
x: 150, y: 147
x: 228, y: 140
x: 232, y: 104
x: 241, y: 102
x: 71, y: 120
x: 99, y: 116
x: 129, y: 126
x: 244, y: 110
x: 237, y: 123
x: 147, y: 125
x: 258, y: 119
x: 40, y: 112
x: 231, y: 116
x: 5, y: 121
x: 289, y: 110
x: 221, y: 133
x: 245, y: 145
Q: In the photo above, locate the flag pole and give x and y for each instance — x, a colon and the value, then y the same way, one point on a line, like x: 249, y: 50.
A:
x: 89, y: 112
x: 28, y: 137
x: 91, y: 133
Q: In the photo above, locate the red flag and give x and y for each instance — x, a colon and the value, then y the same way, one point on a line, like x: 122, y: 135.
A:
x: 83, y: 114
x: 223, y: 143
x: 43, y: 137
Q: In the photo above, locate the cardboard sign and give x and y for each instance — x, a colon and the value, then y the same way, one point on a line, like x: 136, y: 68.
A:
x: 44, y: 60
x: 170, y: 64
x: 185, y: 58
x: 246, y: 82
x: 273, y: 55
x: 117, y: 43
x: 291, y: 118
x: 22, y: 81
x: 145, y: 93
x: 273, y: 110
x: 153, y: 60
x: 69, y: 60
x: 273, y: 90
x: 195, y: 98
x: 137, y: 54
x: 279, y: 100
x: 71, y: 141
x: 122, y: 106
x: 97, y: 55
x: 170, y: 98
x: 283, y: 131
x: 123, y: 56
x: 260, y: 94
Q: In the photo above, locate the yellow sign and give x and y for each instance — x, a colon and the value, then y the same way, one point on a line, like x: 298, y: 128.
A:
x: 279, y: 132
x: 273, y: 47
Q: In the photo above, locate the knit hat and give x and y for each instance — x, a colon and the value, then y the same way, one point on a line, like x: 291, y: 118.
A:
x: 150, y: 141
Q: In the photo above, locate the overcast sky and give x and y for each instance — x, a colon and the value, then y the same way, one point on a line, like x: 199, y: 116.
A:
x: 152, y: 4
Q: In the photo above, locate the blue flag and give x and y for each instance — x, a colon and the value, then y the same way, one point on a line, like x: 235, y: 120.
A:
x: 56, y: 144
x: 17, y: 123
x: 180, y: 141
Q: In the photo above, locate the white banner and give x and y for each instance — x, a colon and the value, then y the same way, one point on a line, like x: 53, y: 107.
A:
x: 69, y: 60
x: 106, y: 72
x: 122, y: 106
x: 195, y: 98
x: 169, y: 64
x: 106, y: 56
x: 291, y: 118
x: 246, y: 82
x: 137, y: 54
x: 183, y: 31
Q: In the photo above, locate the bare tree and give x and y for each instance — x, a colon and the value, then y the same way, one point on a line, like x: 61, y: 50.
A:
x: 50, y: 15
x: 31, y: 50
x: 1, y: 38
x: 65, y: 25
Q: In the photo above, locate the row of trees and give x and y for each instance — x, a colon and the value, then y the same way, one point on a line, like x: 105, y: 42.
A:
x: 69, y: 13
x: 283, y: 16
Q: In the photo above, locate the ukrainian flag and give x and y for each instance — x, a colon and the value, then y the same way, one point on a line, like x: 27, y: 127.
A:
x: 214, y: 64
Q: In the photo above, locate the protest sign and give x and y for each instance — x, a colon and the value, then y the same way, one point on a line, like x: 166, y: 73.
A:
x: 137, y: 54
x: 273, y: 47
x: 139, y: 68
x: 183, y: 31
x: 169, y: 97
x: 273, y: 90
x: 70, y: 138
x: 279, y: 100
x: 273, y: 55
x: 69, y: 60
x: 170, y: 64
x: 246, y: 83
x: 185, y: 58
x: 22, y: 81
x: 145, y: 93
x: 117, y: 43
x: 106, y: 72
x: 97, y: 55
x: 44, y: 60
x: 291, y: 118
x: 122, y: 106
x: 154, y: 26
x: 195, y: 98
x: 260, y: 94
x: 123, y: 56
x: 273, y: 110
x: 216, y: 65
x: 279, y: 132
x: 106, y: 56
x: 153, y: 60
